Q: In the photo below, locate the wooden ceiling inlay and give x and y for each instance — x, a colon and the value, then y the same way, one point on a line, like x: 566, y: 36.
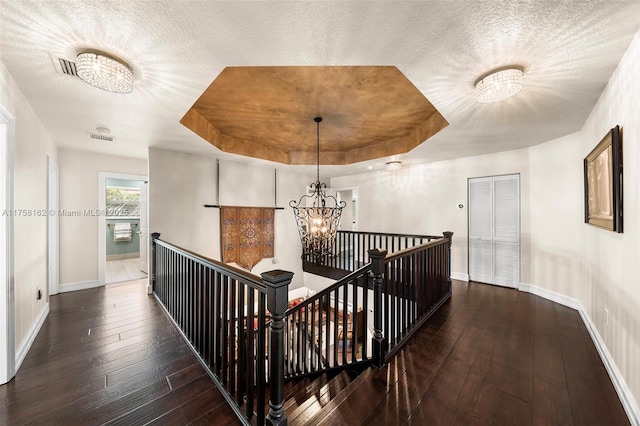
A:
x: 267, y: 112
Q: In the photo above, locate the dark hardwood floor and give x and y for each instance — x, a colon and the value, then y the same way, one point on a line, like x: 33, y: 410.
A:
x: 489, y: 356
x: 110, y: 356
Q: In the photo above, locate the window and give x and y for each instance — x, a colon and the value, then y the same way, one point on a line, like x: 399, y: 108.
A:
x: 123, y: 202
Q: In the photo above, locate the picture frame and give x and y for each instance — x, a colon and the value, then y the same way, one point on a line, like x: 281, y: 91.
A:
x: 603, y: 183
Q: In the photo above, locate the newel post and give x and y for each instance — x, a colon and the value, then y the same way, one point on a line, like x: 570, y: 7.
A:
x: 277, y: 283
x: 151, y: 286
x: 449, y: 236
x: 379, y: 342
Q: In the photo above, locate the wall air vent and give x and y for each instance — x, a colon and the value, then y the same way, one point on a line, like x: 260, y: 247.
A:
x: 67, y: 67
x: 100, y: 137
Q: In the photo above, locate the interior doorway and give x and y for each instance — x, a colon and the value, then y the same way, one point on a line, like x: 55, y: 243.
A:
x: 348, y: 219
x: 123, y: 228
x: 7, y: 330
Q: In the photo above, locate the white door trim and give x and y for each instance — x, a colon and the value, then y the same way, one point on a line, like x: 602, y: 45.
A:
x: 7, y: 318
x: 144, y: 228
x: 53, y: 227
x: 102, y: 218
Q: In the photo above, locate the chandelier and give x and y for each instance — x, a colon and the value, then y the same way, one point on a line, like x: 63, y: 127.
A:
x: 499, y: 85
x: 317, y: 216
x: 104, y: 73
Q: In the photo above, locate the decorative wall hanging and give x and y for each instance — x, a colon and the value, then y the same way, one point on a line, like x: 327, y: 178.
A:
x: 603, y: 183
x: 246, y: 234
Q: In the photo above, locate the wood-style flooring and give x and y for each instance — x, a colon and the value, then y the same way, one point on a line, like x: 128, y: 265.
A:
x: 110, y: 356
x: 489, y: 356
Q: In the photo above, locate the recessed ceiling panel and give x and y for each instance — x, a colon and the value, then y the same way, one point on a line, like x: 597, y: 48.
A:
x: 267, y: 112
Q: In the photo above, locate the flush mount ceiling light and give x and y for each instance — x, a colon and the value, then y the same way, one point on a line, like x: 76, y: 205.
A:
x: 104, y: 73
x: 499, y: 85
x: 393, y: 165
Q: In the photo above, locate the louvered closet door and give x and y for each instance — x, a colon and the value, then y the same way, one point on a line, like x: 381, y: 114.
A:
x: 494, y: 230
x: 480, y: 230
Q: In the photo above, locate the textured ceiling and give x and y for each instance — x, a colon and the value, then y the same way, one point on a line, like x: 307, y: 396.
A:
x: 568, y: 50
x: 267, y: 113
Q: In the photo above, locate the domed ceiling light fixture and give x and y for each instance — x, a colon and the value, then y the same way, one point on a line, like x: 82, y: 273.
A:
x: 317, y: 216
x: 499, y: 85
x: 104, y: 73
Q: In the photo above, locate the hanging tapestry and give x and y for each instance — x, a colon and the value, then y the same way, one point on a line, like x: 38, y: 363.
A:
x: 247, y: 234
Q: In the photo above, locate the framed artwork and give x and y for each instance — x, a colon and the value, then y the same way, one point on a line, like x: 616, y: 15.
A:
x: 603, y: 183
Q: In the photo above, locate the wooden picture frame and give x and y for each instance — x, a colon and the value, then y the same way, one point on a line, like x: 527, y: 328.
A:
x: 603, y: 183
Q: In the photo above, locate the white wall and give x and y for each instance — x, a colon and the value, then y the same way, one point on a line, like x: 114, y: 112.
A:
x: 79, y: 192
x: 423, y: 199
x: 597, y: 267
x: 180, y: 183
x: 559, y: 252
x: 32, y: 146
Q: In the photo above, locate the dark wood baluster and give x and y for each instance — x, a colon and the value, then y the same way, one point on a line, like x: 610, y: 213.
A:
x: 243, y: 334
x: 401, y: 297
x: 430, y: 281
x: 187, y: 305
x: 251, y: 350
x: 336, y: 324
x: 171, y: 283
x: 233, y: 335
x: 183, y: 293
x: 308, y: 348
x: 218, y: 324
x: 298, y: 340
x: 261, y: 359
x: 225, y: 330
x: 312, y: 338
x: 208, y: 330
x: 180, y: 293
x: 365, y: 308
x: 409, y: 291
x: 421, y: 285
x: 327, y: 331
x: 393, y: 284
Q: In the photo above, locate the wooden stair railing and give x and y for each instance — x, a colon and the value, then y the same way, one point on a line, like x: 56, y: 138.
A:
x: 233, y: 322
x: 351, y: 248
x: 236, y: 322
x: 324, y: 333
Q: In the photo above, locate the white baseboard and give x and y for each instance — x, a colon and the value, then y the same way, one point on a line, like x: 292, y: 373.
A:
x: 620, y: 385
x: 459, y: 276
x: 567, y: 301
x: 83, y: 285
x: 626, y: 398
x: 23, y: 349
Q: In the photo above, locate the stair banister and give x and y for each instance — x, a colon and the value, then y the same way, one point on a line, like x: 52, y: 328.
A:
x: 377, y: 267
x: 277, y: 283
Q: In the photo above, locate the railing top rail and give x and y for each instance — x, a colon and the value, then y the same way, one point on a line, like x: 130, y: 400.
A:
x: 398, y: 254
x: 329, y: 289
x: 228, y: 270
x: 386, y: 234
